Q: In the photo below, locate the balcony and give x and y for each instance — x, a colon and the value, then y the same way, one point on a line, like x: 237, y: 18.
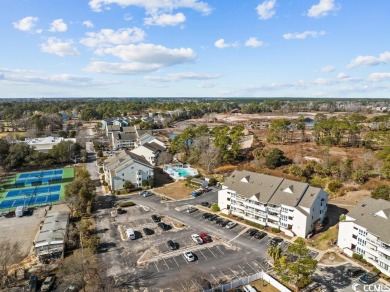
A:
x: 273, y: 209
x: 262, y: 222
x: 273, y: 217
x: 258, y: 207
x: 384, y: 260
x: 384, y: 250
x: 370, y: 240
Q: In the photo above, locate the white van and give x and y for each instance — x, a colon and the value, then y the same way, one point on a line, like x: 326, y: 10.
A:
x: 130, y: 234
x: 249, y: 288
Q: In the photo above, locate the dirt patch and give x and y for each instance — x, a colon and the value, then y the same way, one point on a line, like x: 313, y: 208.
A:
x: 263, y: 286
x: 351, y: 199
x: 175, y: 191
x: 322, y: 241
x: 331, y: 258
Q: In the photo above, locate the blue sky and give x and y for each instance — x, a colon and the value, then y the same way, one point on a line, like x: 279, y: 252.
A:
x: 216, y: 48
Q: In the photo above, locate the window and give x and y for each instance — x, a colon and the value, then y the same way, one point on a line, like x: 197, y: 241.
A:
x: 123, y: 174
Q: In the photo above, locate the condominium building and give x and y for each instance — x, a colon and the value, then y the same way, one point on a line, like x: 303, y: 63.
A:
x: 366, y: 231
x: 293, y: 207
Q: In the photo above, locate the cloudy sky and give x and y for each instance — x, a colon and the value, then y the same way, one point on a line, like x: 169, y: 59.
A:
x: 147, y: 48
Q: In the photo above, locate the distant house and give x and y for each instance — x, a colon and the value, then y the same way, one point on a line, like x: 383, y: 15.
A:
x: 150, y: 151
x: 124, y: 166
x: 50, y: 243
x: 124, y: 140
x: 47, y: 143
x: 366, y: 231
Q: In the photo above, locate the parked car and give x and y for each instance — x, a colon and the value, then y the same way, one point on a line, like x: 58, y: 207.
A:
x: 189, y: 256
x: 191, y: 210
x: 121, y: 211
x: 276, y: 241
x: 206, y: 238
x: 197, y: 238
x: 32, y: 283
x: 218, y: 220
x: 148, y: 231
x: 260, y: 235
x: 47, y: 284
x: 212, y: 217
x: 146, y: 193
x: 224, y: 222
x: 205, y: 204
x: 206, y: 215
x: 230, y: 225
x: 172, y: 245
x: 368, y: 278
x: 251, y: 231
x: 164, y: 226
x: 155, y: 218
x: 355, y: 271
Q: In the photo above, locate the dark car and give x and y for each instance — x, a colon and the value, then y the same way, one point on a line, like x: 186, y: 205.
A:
x: 217, y: 219
x: 191, y: 210
x: 121, y: 211
x: 223, y: 222
x: 206, y: 215
x: 205, y: 204
x: 368, y: 278
x: 148, y: 231
x: 276, y: 241
x: 164, y: 226
x: 212, y: 217
x: 155, y: 218
x: 32, y: 283
x: 259, y: 235
x: 251, y: 231
x: 355, y: 271
x: 172, y: 245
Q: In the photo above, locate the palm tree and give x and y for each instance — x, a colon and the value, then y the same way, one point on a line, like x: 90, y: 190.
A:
x: 275, y: 252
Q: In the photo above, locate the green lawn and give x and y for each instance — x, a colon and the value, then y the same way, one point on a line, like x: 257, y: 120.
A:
x: 68, y: 172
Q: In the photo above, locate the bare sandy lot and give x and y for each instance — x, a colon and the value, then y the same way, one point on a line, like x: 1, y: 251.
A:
x: 175, y: 191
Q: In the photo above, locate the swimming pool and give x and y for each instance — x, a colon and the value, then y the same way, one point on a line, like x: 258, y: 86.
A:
x: 179, y: 171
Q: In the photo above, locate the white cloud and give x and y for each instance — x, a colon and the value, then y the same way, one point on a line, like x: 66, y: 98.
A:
x: 379, y: 76
x: 26, y: 24
x: 88, y: 24
x: 107, y: 37
x: 322, y: 8
x: 58, y: 25
x: 254, y: 42
x: 266, y: 10
x: 207, y: 84
x: 60, y: 48
x: 221, y: 44
x: 383, y: 58
x: 165, y: 19
x: 303, y: 35
x: 327, y: 69
x: 181, y: 76
x: 342, y: 75
x: 128, y: 17
x: 41, y: 77
x: 150, y: 54
x: 121, y: 68
x: 152, y: 6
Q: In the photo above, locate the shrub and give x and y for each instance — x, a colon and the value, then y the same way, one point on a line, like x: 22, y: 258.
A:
x: 334, y: 186
x: 215, y: 208
x: 101, y: 170
x: 99, y: 153
x: 275, y: 230
x: 376, y: 270
x: 358, y: 257
x: 253, y: 224
x: 212, y: 181
x: 126, y: 204
x: 381, y: 192
x: 342, y: 218
x: 318, y: 182
x: 105, y: 183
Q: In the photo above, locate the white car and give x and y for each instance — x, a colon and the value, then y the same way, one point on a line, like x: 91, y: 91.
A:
x: 189, y: 256
x: 197, y: 238
x: 230, y: 225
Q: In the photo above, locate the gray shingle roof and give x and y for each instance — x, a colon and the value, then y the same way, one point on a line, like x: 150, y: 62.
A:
x: 154, y: 146
x: 368, y: 215
x: 53, y: 229
x: 271, y: 189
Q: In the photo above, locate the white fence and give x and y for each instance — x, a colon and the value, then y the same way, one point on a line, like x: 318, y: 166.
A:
x: 243, y: 281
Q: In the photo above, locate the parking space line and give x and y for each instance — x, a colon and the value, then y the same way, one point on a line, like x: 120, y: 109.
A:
x: 166, y: 264
x: 239, y: 234
x: 251, y: 267
x: 212, y: 252
x: 219, y: 249
x: 156, y: 267
x: 203, y: 254
x: 176, y: 262
x: 243, y: 270
x: 185, y: 259
x: 234, y: 272
x: 216, y: 280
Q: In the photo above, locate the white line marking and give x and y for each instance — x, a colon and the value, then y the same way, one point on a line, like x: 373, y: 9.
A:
x: 219, y: 249
x: 156, y: 267
x: 166, y: 264
x: 216, y: 280
x: 185, y: 259
x: 239, y: 234
x: 243, y: 270
x: 203, y: 254
x: 251, y: 267
x: 212, y: 252
x: 176, y: 262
